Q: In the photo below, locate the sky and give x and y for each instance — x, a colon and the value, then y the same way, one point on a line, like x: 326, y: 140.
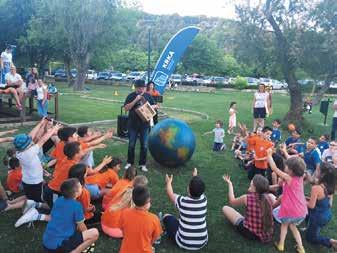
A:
x: 212, y: 8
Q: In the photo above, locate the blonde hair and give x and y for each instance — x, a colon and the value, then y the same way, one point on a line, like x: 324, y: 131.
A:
x: 140, y: 181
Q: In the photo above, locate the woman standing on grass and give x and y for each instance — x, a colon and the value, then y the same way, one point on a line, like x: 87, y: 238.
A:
x: 261, y: 106
x: 232, y: 118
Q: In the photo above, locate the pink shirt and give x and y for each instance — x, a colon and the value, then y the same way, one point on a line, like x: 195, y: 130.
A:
x: 293, y: 204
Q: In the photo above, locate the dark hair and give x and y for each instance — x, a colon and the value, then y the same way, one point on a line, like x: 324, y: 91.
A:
x: 296, y: 165
x: 130, y: 173
x: 279, y: 161
x: 231, y: 104
x: 71, y: 149
x: 13, y: 163
x: 65, y: 133
x: 112, y: 164
x: 148, y: 85
x: 78, y: 171
x: 297, y: 131
x: 266, y: 129
x: 140, y: 195
x: 262, y: 188
x: 219, y: 122
x: 10, y: 153
x: 277, y: 121
x: 68, y: 188
x: 328, y: 177
x: 326, y: 136
x: 314, y: 139
x: 82, y: 131
x: 196, y: 187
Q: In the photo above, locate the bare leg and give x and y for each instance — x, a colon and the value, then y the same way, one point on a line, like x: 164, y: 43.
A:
x: 89, y: 237
x: 262, y: 123
x: 18, y: 199
x: 16, y: 97
x: 297, y: 235
x: 255, y: 125
x: 231, y: 214
x: 283, y: 233
x: 16, y: 205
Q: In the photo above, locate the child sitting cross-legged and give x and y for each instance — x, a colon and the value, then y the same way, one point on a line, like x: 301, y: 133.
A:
x: 111, y: 216
x: 293, y: 208
x: 140, y: 227
x: 14, y: 177
x: 108, y: 176
x: 192, y: 210
x: 66, y: 231
x: 257, y: 224
x: 7, y: 205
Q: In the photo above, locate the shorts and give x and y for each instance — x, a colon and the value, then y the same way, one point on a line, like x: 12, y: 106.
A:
x: 94, y: 190
x: 218, y: 146
x: 33, y: 191
x: 3, y: 205
x: 260, y: 113
x: 296, y: 221
x: 112, y: 232
x: 69, y: 244
x: 171, y: 225
x: 245, y: 232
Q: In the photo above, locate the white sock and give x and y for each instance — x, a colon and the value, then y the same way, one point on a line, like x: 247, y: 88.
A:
x: 41, y: 217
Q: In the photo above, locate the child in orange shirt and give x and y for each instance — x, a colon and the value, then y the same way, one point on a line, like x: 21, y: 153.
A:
x: 261, y: 145
x: 111, y: 216
x: 14, y: 177
x: 140, y: 227
x: 108, y: 176
x: 79, y: 171
x: 120, y: 186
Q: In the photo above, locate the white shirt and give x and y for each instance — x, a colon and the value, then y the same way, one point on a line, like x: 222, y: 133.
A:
x: 261, y: 99
x: 32, y: 171
x: 219, y: 133
x: 40, y: 92
x: 88, y: 159
x: 13, y: 78
x: 6, y: 57
x: 335, y: 113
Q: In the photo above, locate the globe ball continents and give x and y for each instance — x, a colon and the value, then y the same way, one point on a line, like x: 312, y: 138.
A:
x: 171, y: 142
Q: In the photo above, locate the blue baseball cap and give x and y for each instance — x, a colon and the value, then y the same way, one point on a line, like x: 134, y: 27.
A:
x: 22, y: 141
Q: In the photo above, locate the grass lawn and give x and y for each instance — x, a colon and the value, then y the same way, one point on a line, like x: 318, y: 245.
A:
x: 222, y: 237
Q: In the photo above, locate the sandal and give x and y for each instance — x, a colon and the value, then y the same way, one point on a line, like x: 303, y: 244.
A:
x: 299, y: 249
x: 19, y: 107
x: 279, y: 247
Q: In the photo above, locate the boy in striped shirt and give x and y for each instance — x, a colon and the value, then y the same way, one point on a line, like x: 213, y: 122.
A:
x: 190, y: 231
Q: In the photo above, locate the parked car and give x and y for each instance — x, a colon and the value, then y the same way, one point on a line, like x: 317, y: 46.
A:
x: 176, y: 79
x: 266, y: 81
x: 252, y: 81
x: 134, y: 75
x: 116, y: 76
x: 91, y: 74
x: 194, y: 80
x: 103, y: 76
x: 60, y: 73
x: 306, y: 82
x: 219, y: 80
x: 73, y: 73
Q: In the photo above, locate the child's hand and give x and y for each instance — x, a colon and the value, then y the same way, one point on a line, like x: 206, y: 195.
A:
x: 270, y: 152
x: 56, y: 128
x: 227, y: 179
x: 195, y: 172
x: 101, y: 146
x: 92, y: 209
x: 107, y: 159
x: 12, y: 131
x: 168, y: 179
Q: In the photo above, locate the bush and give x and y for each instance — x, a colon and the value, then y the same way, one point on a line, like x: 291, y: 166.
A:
x: 240, y: 83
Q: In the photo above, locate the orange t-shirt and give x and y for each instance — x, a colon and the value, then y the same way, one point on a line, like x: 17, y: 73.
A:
x: 251, y: 141
x: 14, y: 179
x: 58, y: 153
x: 140, y: 229
x: 102, y: 179
x: 261, y: 147
x: 111, y: 218
x: 84, y: 199
x: 60, y: 174
x: 118, y: 188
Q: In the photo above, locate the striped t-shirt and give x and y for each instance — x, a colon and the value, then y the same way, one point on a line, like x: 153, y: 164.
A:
x: 192, y: 231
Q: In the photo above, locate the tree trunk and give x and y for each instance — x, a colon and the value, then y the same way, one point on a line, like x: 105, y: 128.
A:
x: 67, y: 69
x: 82, y: 68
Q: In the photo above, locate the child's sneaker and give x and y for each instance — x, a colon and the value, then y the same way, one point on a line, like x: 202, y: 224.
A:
x: 90, y: 249
x: 31, y: 215
x: 279, y: 247
x: 143, y: 168
x: 29, y: 204
x: 299, y: 249
x: 128, y: 165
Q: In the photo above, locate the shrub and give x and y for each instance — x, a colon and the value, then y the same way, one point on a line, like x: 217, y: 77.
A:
x: 240, y: 83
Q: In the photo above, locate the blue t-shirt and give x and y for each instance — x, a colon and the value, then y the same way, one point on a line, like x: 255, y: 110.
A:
x: 275, y: 135
x: 312, y: 158
x: 323, y: 145
x: 65, y: 215
x: 298, y: 147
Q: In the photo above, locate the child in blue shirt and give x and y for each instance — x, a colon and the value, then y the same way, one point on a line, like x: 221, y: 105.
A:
x: 66, y: 231
x: 276, y: 134
x: 294, y: 143
x: 323, y: 143
x: 312, y: 157
x: 219, y: 134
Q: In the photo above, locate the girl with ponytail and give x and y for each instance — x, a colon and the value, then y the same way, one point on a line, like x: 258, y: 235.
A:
x: 257, y: 224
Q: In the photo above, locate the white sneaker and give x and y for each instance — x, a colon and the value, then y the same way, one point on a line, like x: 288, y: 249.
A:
x: 128, y: 165
x: 31, y: 215
x: 29, y: 204
x: 143, y: 168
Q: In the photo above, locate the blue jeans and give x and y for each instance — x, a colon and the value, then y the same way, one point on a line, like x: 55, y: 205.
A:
x: 143, y: 134
x: 42, y: 109
x: 316, y: 223
x: 4, y: 71
x: 333, y: 128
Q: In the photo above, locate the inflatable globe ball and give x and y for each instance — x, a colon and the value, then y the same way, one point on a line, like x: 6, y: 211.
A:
x: 171, y: 142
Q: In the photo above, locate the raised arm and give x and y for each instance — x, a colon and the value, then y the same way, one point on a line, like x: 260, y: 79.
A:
x: 169, y: 189
x: 242, y: 200
x: 106, y: 160
x: 129, y: 106
x: 274, y: 168
x: 95, y: 142
x: 49, y: 134
x: 8, y: 132
x: 37, y: 128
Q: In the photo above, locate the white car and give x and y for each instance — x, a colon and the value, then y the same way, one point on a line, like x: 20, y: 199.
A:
x: 91, y: 74
x: 134, y: 75
x: 176, y: 78
x: 252, y: 81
